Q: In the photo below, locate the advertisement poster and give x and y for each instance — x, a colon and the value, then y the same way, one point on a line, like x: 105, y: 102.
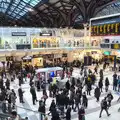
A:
x: 37, y: 62
x: 95, y: 41
x: 78, y: 42
x: 45, y: 42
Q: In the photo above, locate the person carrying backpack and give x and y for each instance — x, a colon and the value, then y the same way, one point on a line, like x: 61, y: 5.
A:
x: 104, y: 106
x: 109, y: 98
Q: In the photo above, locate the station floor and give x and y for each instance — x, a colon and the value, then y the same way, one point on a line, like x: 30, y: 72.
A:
x: 92, y: 112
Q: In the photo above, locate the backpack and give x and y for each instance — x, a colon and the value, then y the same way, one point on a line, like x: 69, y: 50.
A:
x: 102, y: 104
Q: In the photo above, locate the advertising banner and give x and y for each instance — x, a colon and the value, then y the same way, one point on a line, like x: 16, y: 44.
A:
x: 44, y: 42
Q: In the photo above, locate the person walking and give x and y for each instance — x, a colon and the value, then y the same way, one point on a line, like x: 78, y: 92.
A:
x: 104, y: 106
x: 97, y: 93
x: 115, y: 81
x: 52, y: 106
x: 41, y: 109
x: 7, y: 84
x: 33, y: 93
x: 13, y: 98
x: 77, y: 101
x: 20, y: 93
x: 100, y: 84
x: 109, y: 98
x: 84, y: 100
x: 89, y: 86
x: 68, y: 113
x: 107, y: 84
x: 55, y: 114
x: 81, y: 113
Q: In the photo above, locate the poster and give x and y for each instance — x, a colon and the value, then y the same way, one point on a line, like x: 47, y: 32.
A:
x: 45, y: 42
x: 37, y: 62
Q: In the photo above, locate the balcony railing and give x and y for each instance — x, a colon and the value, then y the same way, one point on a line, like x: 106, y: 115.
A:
x: 6, y: 109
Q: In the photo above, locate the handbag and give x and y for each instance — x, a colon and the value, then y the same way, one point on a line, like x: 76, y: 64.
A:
x: 83, y: 118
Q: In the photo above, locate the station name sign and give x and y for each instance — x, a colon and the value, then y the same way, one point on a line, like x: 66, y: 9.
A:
x: 19, y: 34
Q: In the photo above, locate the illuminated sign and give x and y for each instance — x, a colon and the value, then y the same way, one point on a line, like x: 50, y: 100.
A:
x: 45, y: 34
x: 18, y: 33
x: 105, y: 26
x: 115, y: 46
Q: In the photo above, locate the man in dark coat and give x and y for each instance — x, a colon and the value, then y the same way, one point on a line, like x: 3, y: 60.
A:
x: 67, y: 85
x: 115, y: 81
x: 109, y: 98
x: 7, y: 84
x: 100, y: 84
x: 97, y: 93
x: 104, y: 106
x: 68, y: 114
x: 81, y: 113
x: 41, y: 109
x: 20, y: 93
x: 33, y: 93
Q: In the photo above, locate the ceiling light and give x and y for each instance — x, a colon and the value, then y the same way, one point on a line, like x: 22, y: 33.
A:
x: 30, y: 9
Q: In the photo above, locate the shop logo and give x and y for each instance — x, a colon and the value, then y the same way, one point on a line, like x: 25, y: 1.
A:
x: 18, y: 33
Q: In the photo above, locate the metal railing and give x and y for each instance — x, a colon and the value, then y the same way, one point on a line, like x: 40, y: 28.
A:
x: 6, y: 109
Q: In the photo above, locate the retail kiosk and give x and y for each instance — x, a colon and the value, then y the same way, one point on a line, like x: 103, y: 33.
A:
x: 46, y: 73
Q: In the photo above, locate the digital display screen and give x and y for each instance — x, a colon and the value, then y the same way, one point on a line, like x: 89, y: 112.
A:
x: 115, y: 46
x: 107, y: 53
x: 105, y: 26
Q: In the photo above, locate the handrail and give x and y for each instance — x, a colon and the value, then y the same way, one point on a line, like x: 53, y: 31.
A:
x: 1, y: 102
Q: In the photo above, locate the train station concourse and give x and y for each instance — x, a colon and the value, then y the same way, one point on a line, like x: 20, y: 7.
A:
x: 59, y: 59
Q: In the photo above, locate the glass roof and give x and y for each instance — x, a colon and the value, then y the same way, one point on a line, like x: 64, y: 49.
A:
x: 17, y: 8
x: 110, y: 9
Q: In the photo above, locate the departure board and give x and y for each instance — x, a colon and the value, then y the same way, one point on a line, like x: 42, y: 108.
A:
x: 105, y: 26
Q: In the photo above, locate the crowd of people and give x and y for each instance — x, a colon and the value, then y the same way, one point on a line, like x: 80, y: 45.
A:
x: 74, y: 95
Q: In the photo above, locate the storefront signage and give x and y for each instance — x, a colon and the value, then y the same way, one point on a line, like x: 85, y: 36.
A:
x: 64, y: 55
x: 37, y: 56
x: 45, y: 34
x: 23, y: 46
x: 105, y: 45
x: 18, y: 33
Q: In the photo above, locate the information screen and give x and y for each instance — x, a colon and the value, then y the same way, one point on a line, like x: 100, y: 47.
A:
x: 106, y: 26
x: 115, y: 46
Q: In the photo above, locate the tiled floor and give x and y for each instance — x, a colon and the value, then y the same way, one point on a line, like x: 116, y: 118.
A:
x: 92, y: 113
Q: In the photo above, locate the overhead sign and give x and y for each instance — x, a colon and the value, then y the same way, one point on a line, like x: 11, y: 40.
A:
x: 115, y: 46
x: 105, y: 45
x: 23, y: 46
x: 106, y: 26
x: 18, y: 33
x: 45, y: 34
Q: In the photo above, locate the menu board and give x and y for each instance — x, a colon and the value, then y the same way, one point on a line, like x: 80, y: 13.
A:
x: 106, y: 26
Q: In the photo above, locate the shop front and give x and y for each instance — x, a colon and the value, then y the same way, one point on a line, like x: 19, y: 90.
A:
x: 37, y: 60
x: 26, y: 60
x: 47, y: 73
